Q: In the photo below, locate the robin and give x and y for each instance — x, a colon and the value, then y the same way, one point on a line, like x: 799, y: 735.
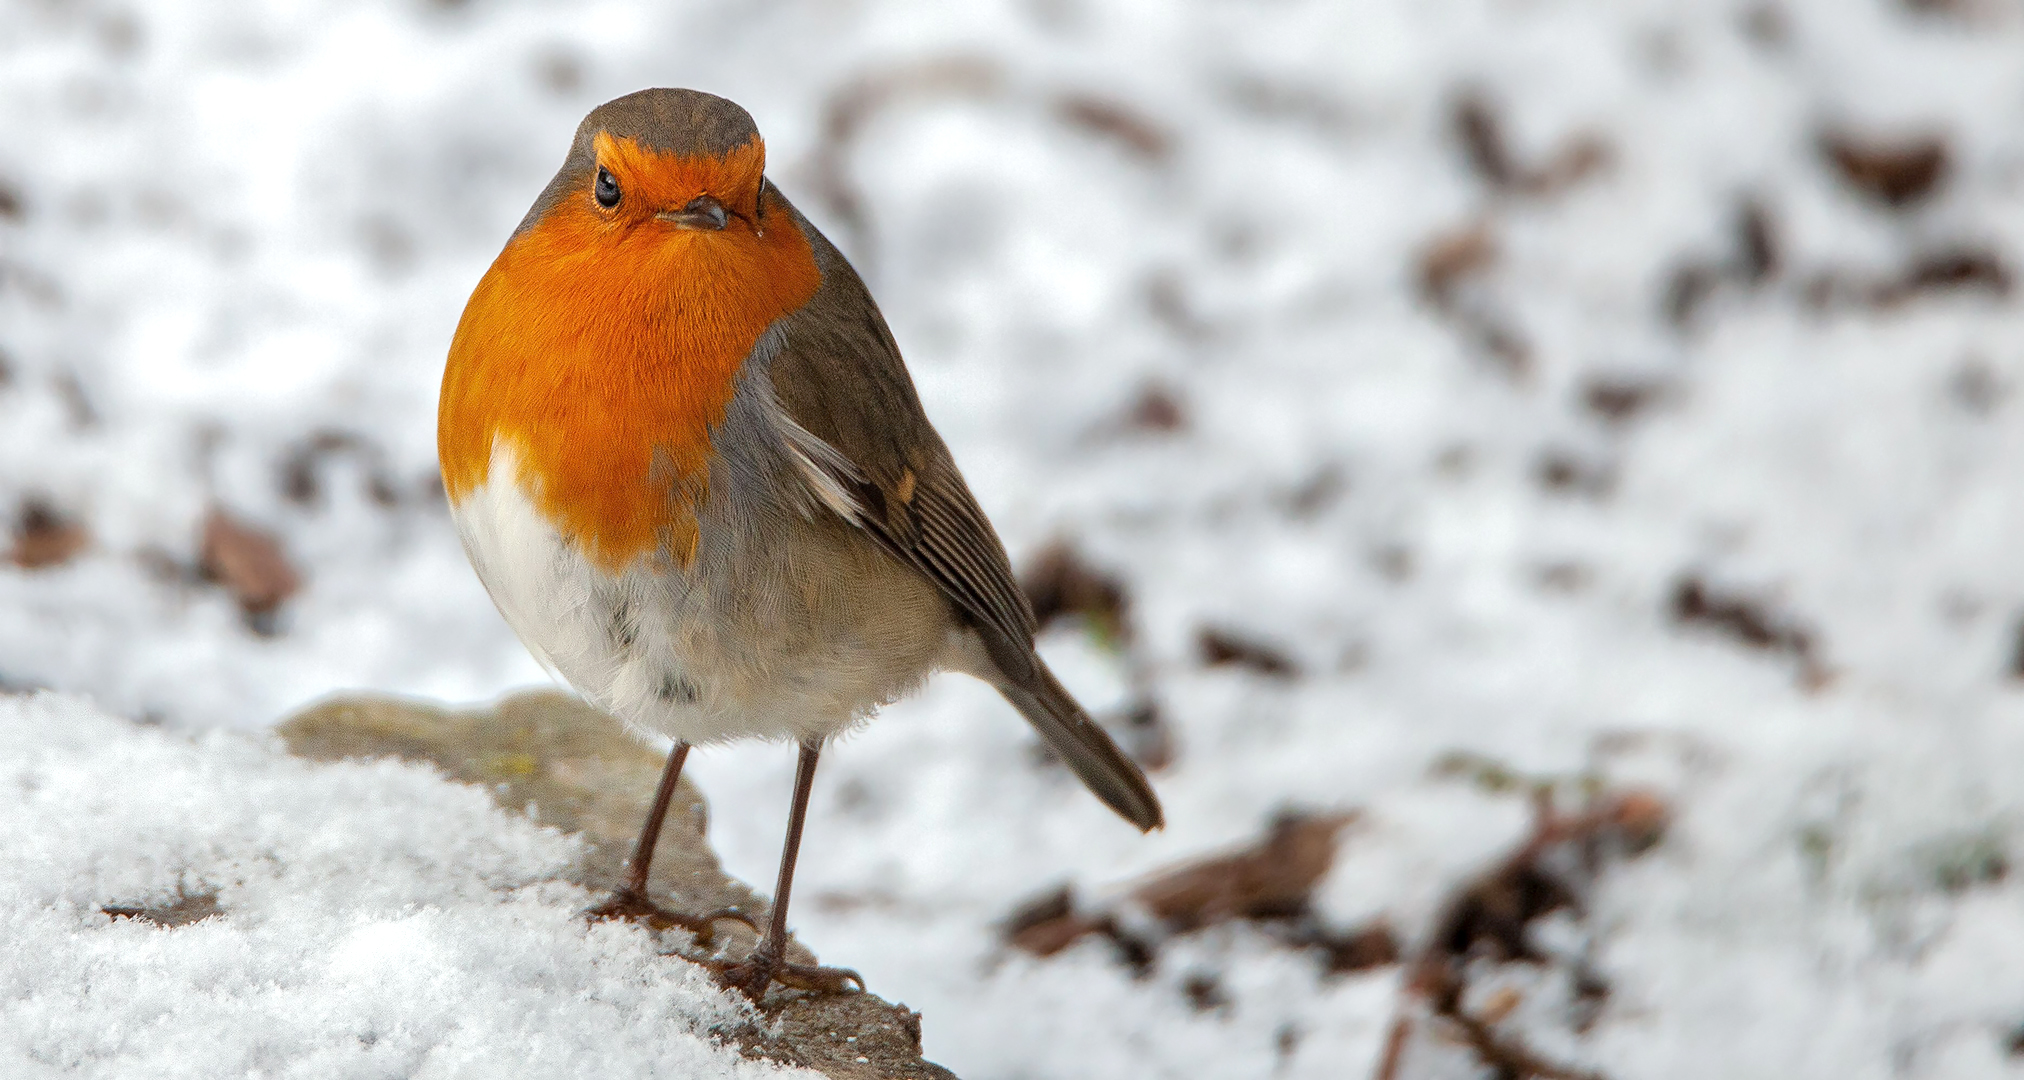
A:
x: 688, y: 464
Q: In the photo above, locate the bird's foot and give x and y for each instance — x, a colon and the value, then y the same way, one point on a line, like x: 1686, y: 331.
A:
x: 634, y: 906
x: 754, y: 974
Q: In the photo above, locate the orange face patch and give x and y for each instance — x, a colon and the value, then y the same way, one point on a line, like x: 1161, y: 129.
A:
x: 604, y: 346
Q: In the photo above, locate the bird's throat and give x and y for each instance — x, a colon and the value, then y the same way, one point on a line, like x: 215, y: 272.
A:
x: 606, y: 357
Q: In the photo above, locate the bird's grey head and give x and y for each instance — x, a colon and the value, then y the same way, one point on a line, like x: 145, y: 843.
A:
x: 710, y: 141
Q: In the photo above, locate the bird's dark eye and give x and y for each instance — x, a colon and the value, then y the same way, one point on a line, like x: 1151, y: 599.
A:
x: 607, y: 189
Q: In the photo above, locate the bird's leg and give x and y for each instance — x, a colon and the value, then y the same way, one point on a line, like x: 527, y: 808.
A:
x: 630, y: 900
x: 768, y: 963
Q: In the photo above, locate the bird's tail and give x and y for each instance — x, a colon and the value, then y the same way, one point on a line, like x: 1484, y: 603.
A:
x: 1087, y: 750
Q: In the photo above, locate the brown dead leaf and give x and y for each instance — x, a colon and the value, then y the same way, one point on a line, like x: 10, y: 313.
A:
x: 1487, y: 920
x: 1947, y: 269
x: 1938, y: 271
x: 1566, y: 472
x: 1273, y: 879
x: 1204, y: 993
x: 1578, y: 159
x: 1059, y: 582
x: 1900, y: 173
x: 1270, y: 882
x: 1048, y: 924
x: 1374, y: 945
x: 1619, y: 399
x: 250, y: 564
x: 302, y: 470
x: 1115, y: 121
x: 1491, y: 914
x: 1219, y: 647
x: 1502, y: 1003
x: 1447, y: 273
x: 1754, y: 259
x: 182, y: 911
x: 1750, y: 621
x: 1757, y: 250
x: 1157, y: 409
x: 1687, y: 289
x: 1481, y: 132
x: 44, y: 537
x: 1479, y: 128
x: 1449, y: 259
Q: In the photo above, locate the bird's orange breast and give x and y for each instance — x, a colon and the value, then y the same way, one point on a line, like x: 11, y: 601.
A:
x: 604, y: 351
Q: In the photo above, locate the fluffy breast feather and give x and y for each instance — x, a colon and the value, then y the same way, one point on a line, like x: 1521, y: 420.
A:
x: 788, y: 622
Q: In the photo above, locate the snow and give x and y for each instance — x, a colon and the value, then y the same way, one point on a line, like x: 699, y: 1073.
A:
x: 244, y: 225
x: 378, y: 921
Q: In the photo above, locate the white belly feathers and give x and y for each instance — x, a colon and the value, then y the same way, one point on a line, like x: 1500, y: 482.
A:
x: 669, y: 654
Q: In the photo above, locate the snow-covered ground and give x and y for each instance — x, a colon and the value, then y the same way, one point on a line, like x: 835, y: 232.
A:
x: 239, y: 232
x: 380, y: 922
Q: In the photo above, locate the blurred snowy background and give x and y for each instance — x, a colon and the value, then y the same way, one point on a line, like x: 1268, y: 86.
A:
x: 1438, y: 400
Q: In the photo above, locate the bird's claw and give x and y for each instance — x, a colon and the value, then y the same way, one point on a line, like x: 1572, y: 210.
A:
x: 633, y: 906
x: 754, y: 974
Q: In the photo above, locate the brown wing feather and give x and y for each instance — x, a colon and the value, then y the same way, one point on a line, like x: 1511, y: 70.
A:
x: 860, y: 430
x: 839, y: 376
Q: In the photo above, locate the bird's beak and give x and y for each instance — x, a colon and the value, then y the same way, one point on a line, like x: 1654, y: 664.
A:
x: 703, y: 213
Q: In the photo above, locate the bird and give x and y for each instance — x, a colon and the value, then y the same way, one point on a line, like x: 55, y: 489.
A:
x: 685, y: 458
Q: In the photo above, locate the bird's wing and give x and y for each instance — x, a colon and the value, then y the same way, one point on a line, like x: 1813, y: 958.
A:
x: 857, y: 428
